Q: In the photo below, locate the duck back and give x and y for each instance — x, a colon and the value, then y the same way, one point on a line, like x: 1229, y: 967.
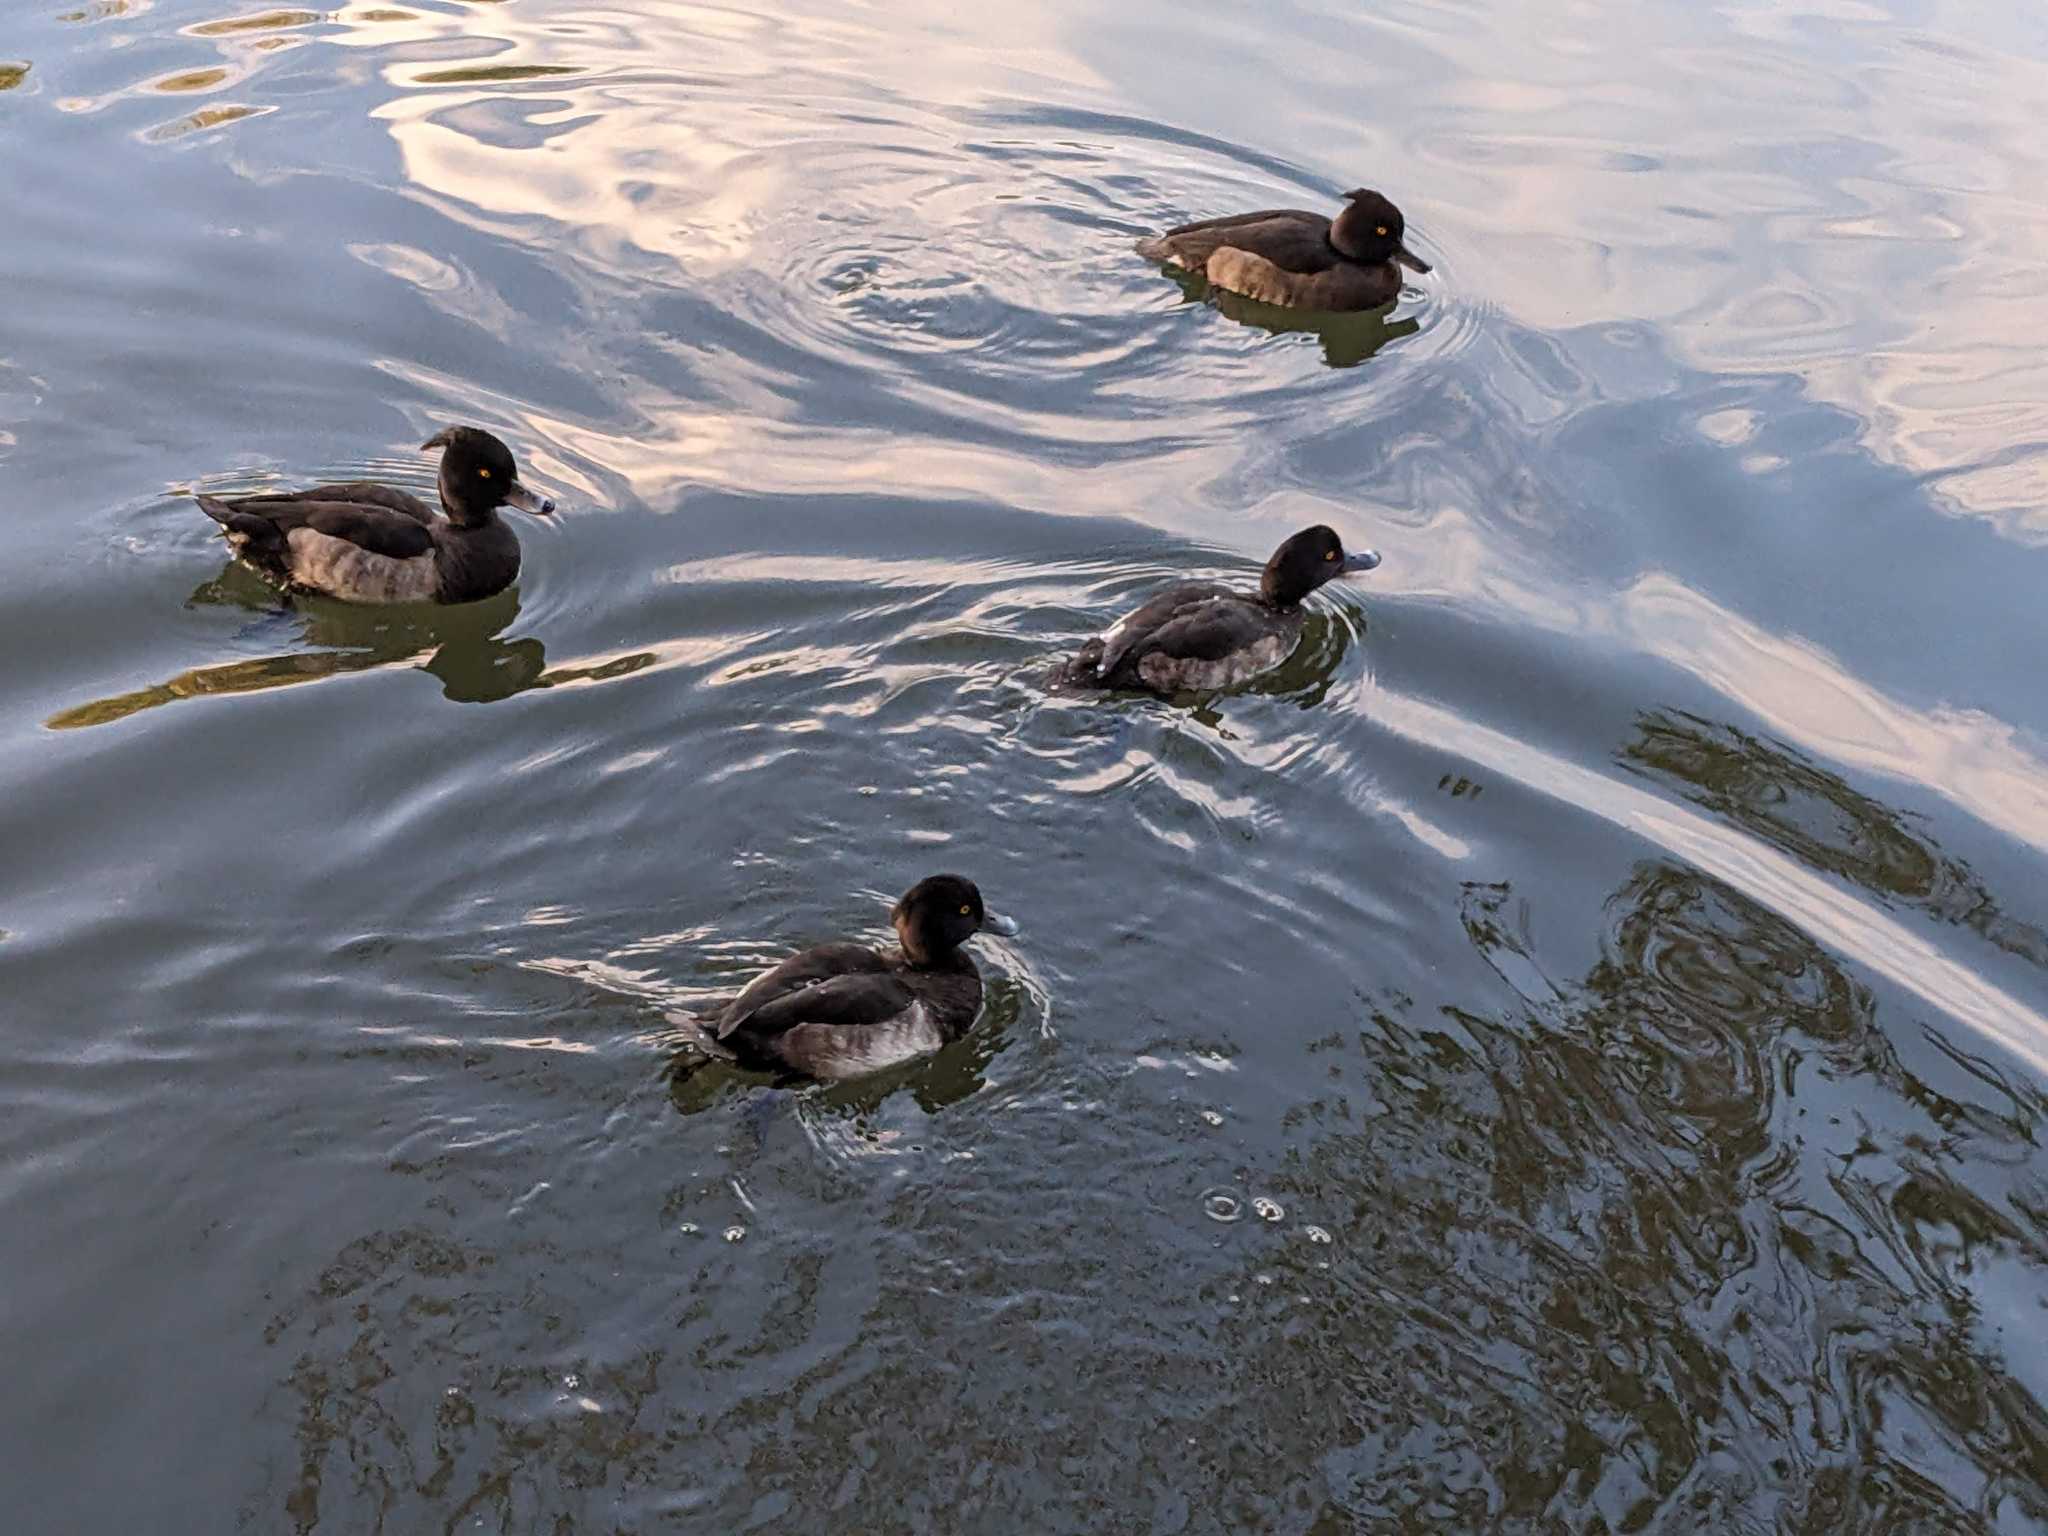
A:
x: 843, y: 1010
x: 1292, y: 238
x: 1194, y: 637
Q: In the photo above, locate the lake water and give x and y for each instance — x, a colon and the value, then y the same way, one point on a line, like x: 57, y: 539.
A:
x: 1567, y: 1055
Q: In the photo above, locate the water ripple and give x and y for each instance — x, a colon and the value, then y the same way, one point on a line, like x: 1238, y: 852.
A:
x: 1564, y: 1051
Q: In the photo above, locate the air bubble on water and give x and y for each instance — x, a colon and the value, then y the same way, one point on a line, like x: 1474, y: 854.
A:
x: 1316, y: 1234
x: 1220, y: 1204
x: 572, y: 1381
x: 1264, y: 1279
x: 1212, y: 1117
x: 734, y: 1234
x: 687, y: 1228
x: 1269, y: 1210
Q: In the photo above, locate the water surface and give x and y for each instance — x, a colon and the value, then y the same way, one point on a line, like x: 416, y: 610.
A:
x: 1565, y: 1055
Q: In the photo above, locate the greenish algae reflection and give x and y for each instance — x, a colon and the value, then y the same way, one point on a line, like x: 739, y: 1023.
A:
x: 263, y: 21
x: 479, y: 74
x: 1620, y: 1257
x: 1778, y: 794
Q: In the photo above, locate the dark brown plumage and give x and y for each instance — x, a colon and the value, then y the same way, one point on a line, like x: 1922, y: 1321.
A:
x: 1198, y: 637
x: 1292, y: 257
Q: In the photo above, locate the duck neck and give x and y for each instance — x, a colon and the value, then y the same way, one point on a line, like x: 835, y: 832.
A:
x: 470, y: 519
x: 916, y: 954
x: 476, y: 559
x: 1274, y: 596
x: 921, y: 955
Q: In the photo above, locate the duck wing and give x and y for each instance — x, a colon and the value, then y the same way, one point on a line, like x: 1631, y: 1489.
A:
x: 360, y: 493
x: 1291, y: 239
x: 1223, y: 625
x: 804, y: 970
x: 839, y: 1001
x: 1138, y: 629
x: 376, y: 529
x: 845, y: 1026
x: 384, y: 524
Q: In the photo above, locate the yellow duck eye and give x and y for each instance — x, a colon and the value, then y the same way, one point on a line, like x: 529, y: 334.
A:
x: 966, y: 911
x: 484, y: 472
x: 1331, y: 555
x: 1380, y: 229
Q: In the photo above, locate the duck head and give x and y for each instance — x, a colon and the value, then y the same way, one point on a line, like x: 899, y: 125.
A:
x: 939, y: 914
x: 1307, y: 560
x: 479, y: 475
x: 1370, y: 230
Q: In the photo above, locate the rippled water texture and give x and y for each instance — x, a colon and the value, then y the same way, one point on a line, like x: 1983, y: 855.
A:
x: 1564, y: 1055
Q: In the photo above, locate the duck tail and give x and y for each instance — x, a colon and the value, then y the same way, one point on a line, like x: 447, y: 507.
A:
x: 693, y: 1052
x: 1080, y: 671
x: 255, y: 539
x: 240, y: 526
x: 693, y: 1032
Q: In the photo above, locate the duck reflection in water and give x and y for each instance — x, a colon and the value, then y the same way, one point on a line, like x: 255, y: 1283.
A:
x: 1348, y: 338
x: 463, y: 646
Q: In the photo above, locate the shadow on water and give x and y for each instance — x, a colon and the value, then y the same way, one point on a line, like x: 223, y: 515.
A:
x: 1347, y: 339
